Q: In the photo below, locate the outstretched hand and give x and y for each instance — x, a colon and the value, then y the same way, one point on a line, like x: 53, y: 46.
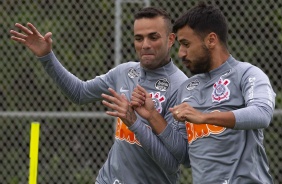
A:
x: 31, y: 38
x: 142, y: 102
x: 120, y: 106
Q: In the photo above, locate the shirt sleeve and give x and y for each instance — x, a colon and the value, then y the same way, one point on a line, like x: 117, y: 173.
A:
x: 259, y: 100
x: 154, y: 147
x: 78, y: 91
x: 176, y: 142
x: 174, y: 135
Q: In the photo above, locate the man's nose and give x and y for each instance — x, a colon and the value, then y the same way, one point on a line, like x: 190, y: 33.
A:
x: 146, y: 44
x: 182, y: 52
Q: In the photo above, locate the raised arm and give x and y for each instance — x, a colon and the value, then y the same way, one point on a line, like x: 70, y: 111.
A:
x: 78, y: 91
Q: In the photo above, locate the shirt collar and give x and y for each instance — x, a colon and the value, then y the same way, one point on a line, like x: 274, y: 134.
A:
x: 227, y: 65
x: 158, y: 73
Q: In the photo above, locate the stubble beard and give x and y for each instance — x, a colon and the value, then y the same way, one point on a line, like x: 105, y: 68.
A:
x: 203, y: 63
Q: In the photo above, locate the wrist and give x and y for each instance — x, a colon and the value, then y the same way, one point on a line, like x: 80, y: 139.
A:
x: 157, y: 122
x: 153, y: 115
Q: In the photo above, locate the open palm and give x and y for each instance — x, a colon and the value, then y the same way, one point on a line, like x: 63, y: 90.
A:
x: 31, y: 38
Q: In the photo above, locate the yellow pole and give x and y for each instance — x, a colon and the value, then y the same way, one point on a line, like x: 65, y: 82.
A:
x: 33, y: 152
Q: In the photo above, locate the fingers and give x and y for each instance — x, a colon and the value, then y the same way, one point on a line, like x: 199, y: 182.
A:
x: 110, y: 98
x: 33, y: 29
x: 115, y: 94
x: 140, y: 88
x: 111, y: 106
x: 143, y: 90
x: 22, y: 37
x: 135, y: 104
x: 177, y: 113
x: 139, y: 93
x: 137, y: 98
x: 24, y: 29
x: 17, y: 39
x: 48, y: 38
x: 123, y: 96
x: 173, y: 109
x: 30, y: 30
x: 17, y: 34
x: 119, y: 100
x: 114, y: 114
x: 118, y: 104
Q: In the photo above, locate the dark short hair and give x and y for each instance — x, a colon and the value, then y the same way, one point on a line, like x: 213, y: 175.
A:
x: 204, y: 19
x: 152, y: 12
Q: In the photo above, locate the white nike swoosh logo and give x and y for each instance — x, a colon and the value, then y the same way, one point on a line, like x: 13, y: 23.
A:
x: 123, y: 90
x: 186, y: 99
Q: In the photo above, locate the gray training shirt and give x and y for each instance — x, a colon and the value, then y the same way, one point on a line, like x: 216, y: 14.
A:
x: 223, y: 155
x: 137, y: 155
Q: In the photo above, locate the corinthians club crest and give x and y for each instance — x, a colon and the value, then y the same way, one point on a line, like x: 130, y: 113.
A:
x: 220, y: 90
x: 158, y: 99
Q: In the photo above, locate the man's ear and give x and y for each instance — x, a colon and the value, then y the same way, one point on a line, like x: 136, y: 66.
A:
x: 211, y: 40
x: 171, y: 39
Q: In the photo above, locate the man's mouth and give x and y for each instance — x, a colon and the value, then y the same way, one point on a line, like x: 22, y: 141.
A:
x: 147, y: 54
x: 186, y: 62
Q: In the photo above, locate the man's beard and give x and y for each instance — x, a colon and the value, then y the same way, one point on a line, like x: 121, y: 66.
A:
x: 203, y: 63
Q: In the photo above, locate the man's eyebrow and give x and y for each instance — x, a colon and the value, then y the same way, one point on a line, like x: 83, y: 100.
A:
x: 184, y: 40
x: 150, y: 34
x: 153, y: 33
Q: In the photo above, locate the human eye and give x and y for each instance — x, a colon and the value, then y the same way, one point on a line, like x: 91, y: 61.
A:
x: 184, y: 43
x: 154, y: 37
x: 138, y: 38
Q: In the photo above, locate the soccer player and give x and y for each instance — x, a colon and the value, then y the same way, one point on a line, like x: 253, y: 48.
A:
x: 225, y: 105
x: 137, y: 155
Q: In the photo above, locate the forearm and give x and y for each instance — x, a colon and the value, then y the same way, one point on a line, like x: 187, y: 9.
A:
x: 157, y: 122
x: 154, y: 147
x: 78, y: 91
x: 174, y: 138
x: 68, y: 83
x: 223, y: 119
x: 252, y: 117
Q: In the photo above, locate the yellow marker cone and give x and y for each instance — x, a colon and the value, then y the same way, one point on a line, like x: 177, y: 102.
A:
x: 33, y: 152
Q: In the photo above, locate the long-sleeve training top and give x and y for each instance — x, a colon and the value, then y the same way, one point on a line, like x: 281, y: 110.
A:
x: 137, y: 155
x: 219, y: 154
